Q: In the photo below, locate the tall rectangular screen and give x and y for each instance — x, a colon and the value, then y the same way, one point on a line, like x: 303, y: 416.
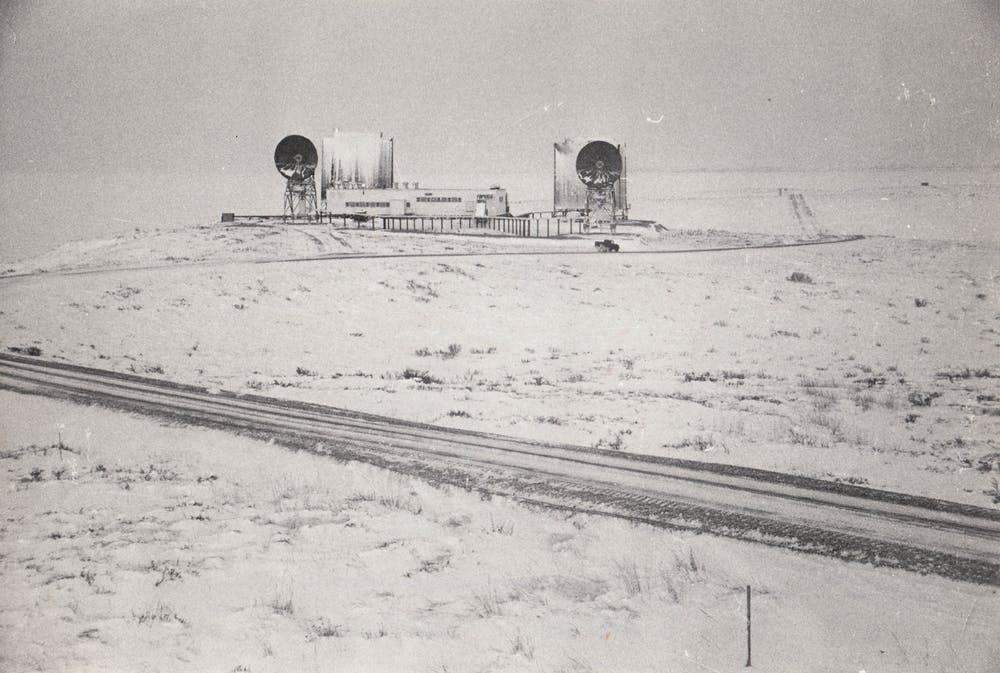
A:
x: 353, y: 160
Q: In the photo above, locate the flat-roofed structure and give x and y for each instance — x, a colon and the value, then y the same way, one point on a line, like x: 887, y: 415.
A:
x: 357, y: 178
x: 400, y: 201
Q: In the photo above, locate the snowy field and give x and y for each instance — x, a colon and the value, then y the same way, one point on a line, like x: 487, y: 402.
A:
x: 879, y: 366
x: 147, y: 547
x: 871, y: 362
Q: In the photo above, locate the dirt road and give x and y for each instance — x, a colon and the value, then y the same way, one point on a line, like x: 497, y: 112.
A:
x: 850, y: 522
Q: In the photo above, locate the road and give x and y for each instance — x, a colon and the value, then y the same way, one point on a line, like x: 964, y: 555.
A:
x: 840, y: 520
x: 368, y: 256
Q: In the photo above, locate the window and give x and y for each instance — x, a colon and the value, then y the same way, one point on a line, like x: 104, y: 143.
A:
x: 439, y: 199
x: 366, y: 204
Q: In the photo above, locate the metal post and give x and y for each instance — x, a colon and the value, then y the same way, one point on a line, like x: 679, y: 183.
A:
x: 748, y: 626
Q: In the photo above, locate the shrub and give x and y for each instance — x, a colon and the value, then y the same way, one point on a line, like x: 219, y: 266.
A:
x: 522, y: 645
x: 281, y: 605
x: 920, y: 303
x: 487, y: 603
x: 628, y: 575
x: 864, y: 400
x: 920, y: 399
x: 799, y: 277
x: 34, y: 351
x: 421, y: 376
x: 323, y: 628
x: 616, y: 443
x: 160, y: 613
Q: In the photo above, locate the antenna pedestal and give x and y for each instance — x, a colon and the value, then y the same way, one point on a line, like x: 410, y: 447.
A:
x: 300, y: 200
x: 602, y: 207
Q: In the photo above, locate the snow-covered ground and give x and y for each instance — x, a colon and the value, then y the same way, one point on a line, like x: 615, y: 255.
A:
x: 142, y: 546
x: 879, y: 366
x: 873, y: 362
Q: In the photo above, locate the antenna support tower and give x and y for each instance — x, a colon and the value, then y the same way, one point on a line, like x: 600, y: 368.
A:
x: 300, y: 199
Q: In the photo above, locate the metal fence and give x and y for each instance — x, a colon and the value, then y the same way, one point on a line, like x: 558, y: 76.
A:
x: 523, y: 227
x: 533, y: 226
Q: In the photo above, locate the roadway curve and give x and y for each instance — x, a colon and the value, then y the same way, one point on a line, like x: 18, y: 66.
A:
x: 841, y: 520
x: 368, y: 256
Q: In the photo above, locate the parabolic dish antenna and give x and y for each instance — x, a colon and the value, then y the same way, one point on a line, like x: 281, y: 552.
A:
x: 599, y: 165
x: 296, y: 158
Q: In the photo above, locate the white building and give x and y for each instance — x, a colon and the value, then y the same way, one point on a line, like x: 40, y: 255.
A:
x: 416, y: 201
x: 357, y: 178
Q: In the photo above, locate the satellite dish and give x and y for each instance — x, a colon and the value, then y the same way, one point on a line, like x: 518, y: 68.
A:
x: 295, y: 158
x: 599, y: 164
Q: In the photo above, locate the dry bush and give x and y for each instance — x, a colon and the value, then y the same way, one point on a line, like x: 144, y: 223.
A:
x: 921, y: 399
x: 551, y: 420
x: 488, y: 603
x: 828, y: 421
x: 628, y: 576
x: 994, y: 491
x: 801, y: 438
x: 323, y: 628
x: 420, y: 375
x: 395, y: 500
x: 501, y: 527
x: 282, y: 604
x: 522, y: 645
x: 867, y: 400
x: 616, y: 443
x: 159, y: 613
x: 799, y: 277
x: 33, y: 351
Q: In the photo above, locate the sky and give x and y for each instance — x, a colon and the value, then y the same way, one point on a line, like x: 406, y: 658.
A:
x: 206, y: 88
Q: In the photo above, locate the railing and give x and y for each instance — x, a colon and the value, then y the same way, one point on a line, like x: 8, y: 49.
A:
x: 523, y: 227
x: 415, y: 223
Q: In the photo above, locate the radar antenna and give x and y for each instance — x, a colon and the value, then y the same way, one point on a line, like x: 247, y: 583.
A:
x: 599, y: 166
x: 295, y: 158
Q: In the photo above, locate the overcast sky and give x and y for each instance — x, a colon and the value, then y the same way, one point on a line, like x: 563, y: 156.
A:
x: 488, y: 86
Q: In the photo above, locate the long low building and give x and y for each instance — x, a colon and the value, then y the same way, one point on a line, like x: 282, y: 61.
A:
x: 490, y: 202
